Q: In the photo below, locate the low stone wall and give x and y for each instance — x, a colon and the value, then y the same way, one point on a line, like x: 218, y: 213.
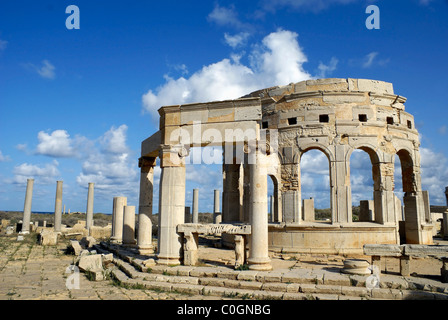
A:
x: 329, y: 239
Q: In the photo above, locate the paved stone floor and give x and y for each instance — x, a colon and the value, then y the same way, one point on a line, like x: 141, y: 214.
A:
x: 29, y: 271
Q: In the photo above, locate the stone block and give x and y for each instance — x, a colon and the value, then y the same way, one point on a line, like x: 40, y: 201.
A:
x: 390, y: 250
x: 92, y: 263
x: 48, y: 238
x: 375, y: 86
x: 75, y: 247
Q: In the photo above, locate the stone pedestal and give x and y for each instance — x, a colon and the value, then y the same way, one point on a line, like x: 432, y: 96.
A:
x: 58, y: 207
x: 129, y: 226
x: 89, y: 210
x: 27, y: 206
x: 308, y: 209
x: 117, y: 219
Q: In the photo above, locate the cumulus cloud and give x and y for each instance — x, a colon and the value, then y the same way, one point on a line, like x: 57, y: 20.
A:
x: 4, y: 158
x: 55, y: 144
x: 236, y: 40
x: 278, y: 60
x: 110, y: 166
x: 434, y: 174
x: 114, y: 140
x: 223, y: 16
x: 45, y: 174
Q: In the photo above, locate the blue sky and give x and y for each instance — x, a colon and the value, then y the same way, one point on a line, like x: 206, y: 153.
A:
x: 76, y: 104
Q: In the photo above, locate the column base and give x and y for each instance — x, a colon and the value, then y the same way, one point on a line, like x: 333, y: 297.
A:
x: 145, y: 250
x: 259, y: 264
x: 171, y: 261
x: 116, y: 240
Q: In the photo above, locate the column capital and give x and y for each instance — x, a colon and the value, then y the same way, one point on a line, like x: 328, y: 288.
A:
x: 146, y: 162
x: 172, y: 155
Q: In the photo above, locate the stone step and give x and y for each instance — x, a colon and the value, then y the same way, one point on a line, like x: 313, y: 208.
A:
x: 284, y: 284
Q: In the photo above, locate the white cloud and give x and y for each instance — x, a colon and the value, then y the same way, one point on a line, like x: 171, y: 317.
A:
x: 278, y: 60
x: 442, y: 130
x: 304, y: 5
x: 43, y: 175
x: 4, y: 158
x: 223, y: 16
x: 110, y: 166
x: 47, y: 70
x: 56, y: 144
x: 325, y: 70
x: 236, y: 40
x: 114, y: 140
x: 434, y: 175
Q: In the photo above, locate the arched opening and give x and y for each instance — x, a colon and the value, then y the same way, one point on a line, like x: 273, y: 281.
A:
x: 361, y: 182
x: 398, y: 187
x: 407, y: 171
x: 315, y: 186
x: 273, y: 201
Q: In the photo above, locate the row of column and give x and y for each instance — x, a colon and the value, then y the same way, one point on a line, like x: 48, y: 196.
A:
x: 57, y: 206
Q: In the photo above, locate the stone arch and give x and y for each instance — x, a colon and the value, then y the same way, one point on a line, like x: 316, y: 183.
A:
x: 407, y: 170
x: 375, y: 156
x: 328, y: 154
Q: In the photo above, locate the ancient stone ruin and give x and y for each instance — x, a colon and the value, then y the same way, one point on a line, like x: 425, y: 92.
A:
x: 263, y: 136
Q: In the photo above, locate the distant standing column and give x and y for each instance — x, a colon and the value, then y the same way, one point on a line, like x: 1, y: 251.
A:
x: 117, y: 219
x: 89, y: 210
x: 195, y: 205
x: 144, y: 235
x: 129, y: 226
x: 58, y: 207
x: 217, y: 207
x: 27, y: 206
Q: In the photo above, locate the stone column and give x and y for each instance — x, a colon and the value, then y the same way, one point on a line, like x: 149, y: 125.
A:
x: 258, y: 255
x: 129, y: 226
x: 446, y: 195
x: 195, y: 205
x: 231, y: 198
x: 27, y: 206
x: 341, y: 195
x: 217, y: 217
x: 89, y: 210
x: 117, y: 219
x: 308, y: 210
x: 171, y: 205
x: 144, y: 236
x: 58, y: 207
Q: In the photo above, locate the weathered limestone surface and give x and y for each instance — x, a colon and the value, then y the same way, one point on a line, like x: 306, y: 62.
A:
x: 27, y: 206
x: 89, y: 210
x: 117, y: 219
x: 58, y: 207
x: 334, y: 116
